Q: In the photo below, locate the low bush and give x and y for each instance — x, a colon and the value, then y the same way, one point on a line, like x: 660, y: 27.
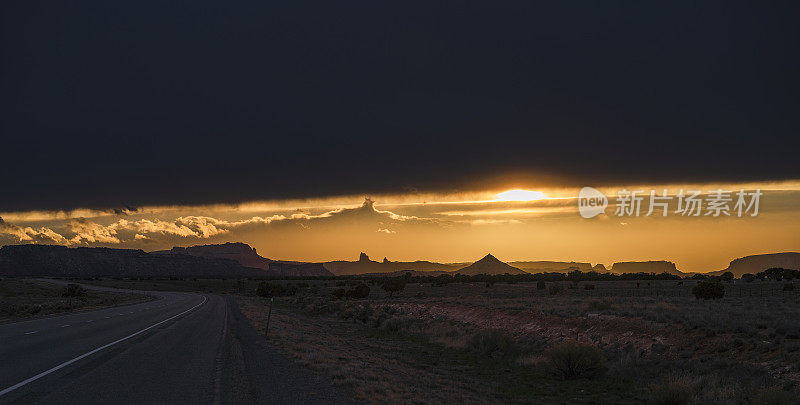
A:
x: 393, y: 285
x: 575, y: 360
x: 788, y: 287
x: 541, y: 285
x: 359, y: 291
x: 289, y: 290
x: 708, y: 289
x: 266, y: 289
x: 391, y: 310
x: 555, y: 288
x: 74, y: 291
x: 492, y: 343
x: 600, y: 305
x: 361, y: 313
x: 588, y: 287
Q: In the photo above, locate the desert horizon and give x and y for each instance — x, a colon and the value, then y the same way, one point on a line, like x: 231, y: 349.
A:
x: 556, y: 265
x: 523, y: 225
x: 361, y: 202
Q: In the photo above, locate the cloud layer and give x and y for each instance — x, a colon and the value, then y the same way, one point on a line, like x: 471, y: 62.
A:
x: 86, y: 232
x: 452, y: 231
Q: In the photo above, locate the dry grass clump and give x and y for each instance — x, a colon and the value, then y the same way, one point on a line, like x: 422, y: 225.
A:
x: 604, y: 305
x: 575, y: 360
x: 493, y: 343
x: 359, y: 312
x: 696, y: 387
x: 674, y: 390
x: 395, y: 324
x: 774, y: 395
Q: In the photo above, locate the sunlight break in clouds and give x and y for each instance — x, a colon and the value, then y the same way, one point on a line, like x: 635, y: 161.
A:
x: 520, y: 195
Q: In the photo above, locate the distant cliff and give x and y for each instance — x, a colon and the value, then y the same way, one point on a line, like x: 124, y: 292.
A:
x: 551, y: 267
x: 61, y: 261
x: 247, y: 256
x: 299, y: 269
x: 757, y: 263
x: 365, y: 265
x: 656, y: 267
x: 240, y: 252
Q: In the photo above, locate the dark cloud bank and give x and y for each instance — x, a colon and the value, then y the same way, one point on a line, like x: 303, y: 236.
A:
x: 108, y: 104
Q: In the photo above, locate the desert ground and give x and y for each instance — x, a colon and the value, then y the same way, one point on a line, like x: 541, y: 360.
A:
x: 30, y: 298
x: 611, y: 342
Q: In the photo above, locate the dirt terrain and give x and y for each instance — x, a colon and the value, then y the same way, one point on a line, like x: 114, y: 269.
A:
x: 28, y: 298
x: 659, y: 344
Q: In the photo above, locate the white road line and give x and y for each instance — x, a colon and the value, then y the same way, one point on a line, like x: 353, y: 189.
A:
x: 65, y: 326
x: 66, y: 363
x: 31, y: 332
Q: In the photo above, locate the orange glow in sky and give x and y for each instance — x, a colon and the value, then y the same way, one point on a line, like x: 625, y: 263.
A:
x: 518, y: 224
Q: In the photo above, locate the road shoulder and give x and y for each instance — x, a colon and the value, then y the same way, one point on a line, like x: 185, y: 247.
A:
x: 258, y: 373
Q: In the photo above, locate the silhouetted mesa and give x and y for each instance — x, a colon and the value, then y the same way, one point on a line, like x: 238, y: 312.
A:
x: 387, y: 267
x: 247, y: 256
x: 551, y: 267
x: 758, y: 263
x: 489, y: 265
x: 655, y: 267
x: 61, y: 261
x: 365, y: 266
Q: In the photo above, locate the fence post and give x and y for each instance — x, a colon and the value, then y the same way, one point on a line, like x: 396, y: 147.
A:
x: 269, y: 315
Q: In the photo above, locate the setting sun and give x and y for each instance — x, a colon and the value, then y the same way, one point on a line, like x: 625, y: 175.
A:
x: 520, y: 195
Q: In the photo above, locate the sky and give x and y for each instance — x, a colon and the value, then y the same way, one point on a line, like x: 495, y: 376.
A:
x: 197, y: 117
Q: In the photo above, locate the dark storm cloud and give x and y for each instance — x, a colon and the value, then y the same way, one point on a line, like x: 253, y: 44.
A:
x: 108, y: 104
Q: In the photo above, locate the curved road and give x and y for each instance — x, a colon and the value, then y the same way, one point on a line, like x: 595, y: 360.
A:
x: 171, y: 350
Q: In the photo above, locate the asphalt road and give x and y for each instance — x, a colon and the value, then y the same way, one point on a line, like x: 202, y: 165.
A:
x: 176, y: 349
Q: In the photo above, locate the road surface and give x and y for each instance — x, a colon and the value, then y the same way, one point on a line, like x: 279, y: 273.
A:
x: 180, y: 348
